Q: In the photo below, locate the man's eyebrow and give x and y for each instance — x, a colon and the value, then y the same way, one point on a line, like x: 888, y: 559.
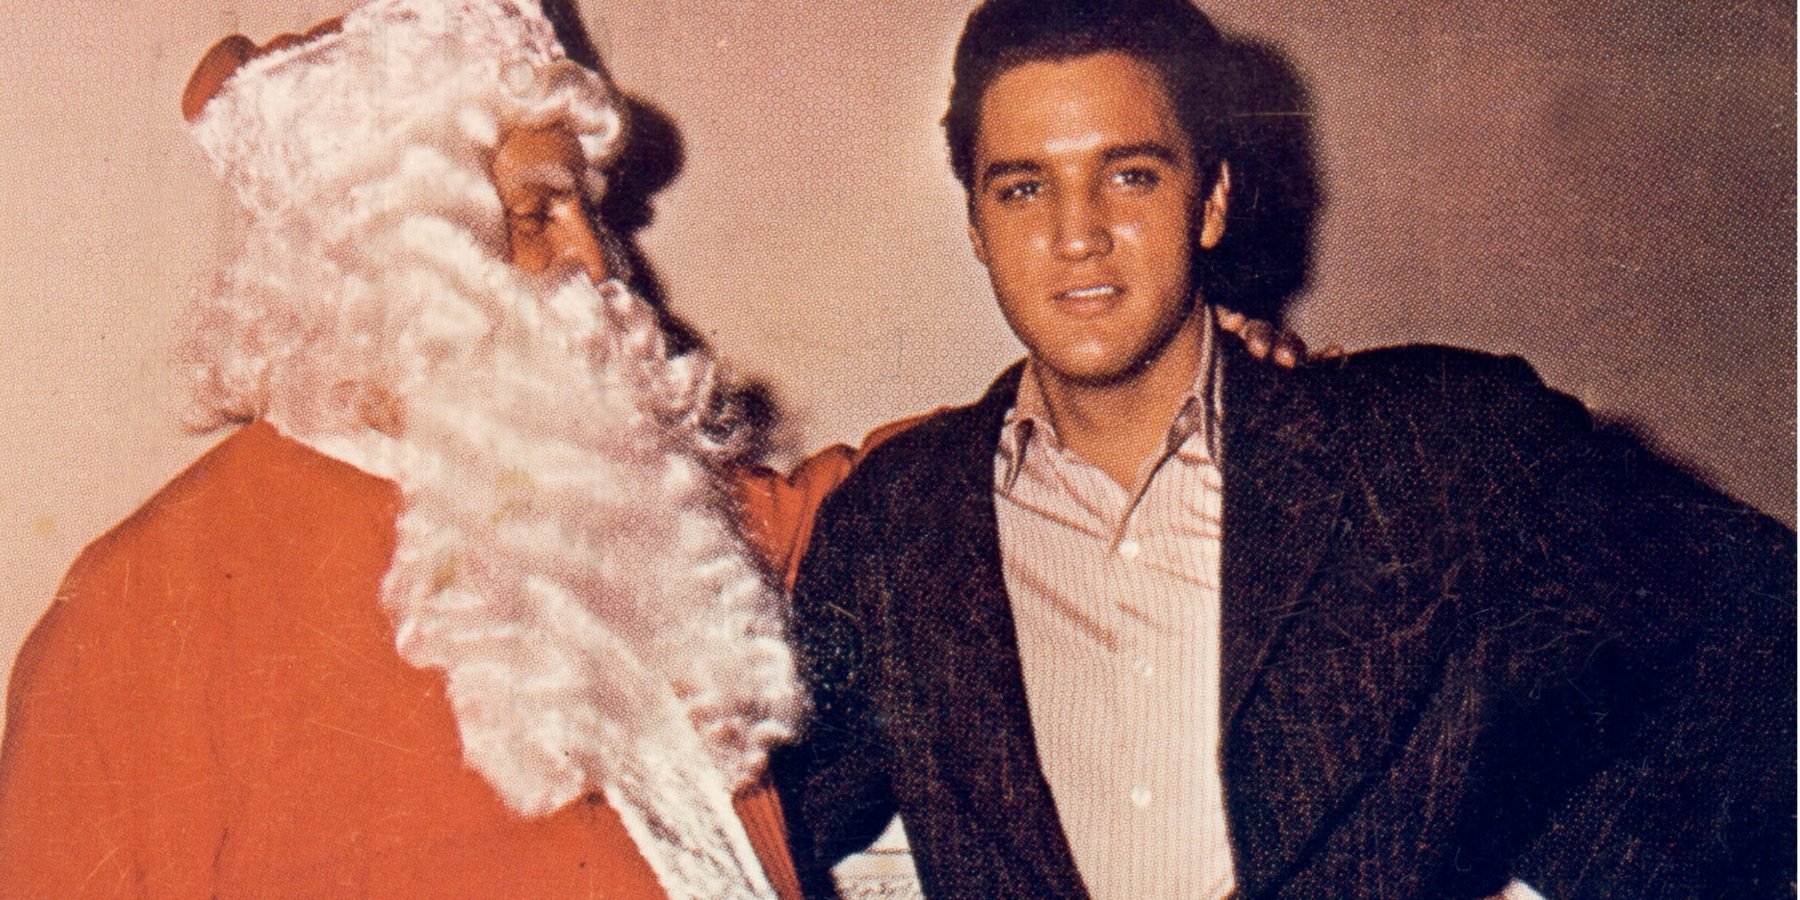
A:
x: 1152, y: 149
x: 1004, y: 167
x: 552, y: 177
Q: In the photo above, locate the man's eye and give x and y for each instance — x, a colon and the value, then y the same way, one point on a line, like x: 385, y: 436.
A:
x: 1018, y: 191
x: 528, y: 222
x: 1140, y: 178
x: 564, y: 206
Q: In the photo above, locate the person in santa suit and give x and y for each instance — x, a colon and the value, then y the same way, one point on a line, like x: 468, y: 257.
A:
x: 460, y: 608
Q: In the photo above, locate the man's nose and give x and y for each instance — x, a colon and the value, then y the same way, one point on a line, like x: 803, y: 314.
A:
x: 575, y: 245
x: 1081, y: 228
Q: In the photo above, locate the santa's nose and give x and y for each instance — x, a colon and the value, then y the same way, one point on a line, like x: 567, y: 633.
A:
x: 574, y: 246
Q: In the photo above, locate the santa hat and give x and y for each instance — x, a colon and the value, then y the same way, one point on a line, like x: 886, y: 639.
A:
x: 299, y: 115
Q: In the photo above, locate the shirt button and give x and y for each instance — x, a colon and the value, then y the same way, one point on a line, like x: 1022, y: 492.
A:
x: 1140, y: 797
x: 1130, y: 549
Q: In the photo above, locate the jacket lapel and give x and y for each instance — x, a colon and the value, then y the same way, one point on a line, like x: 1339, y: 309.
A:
x: 1282, y: 502
x: 1319, y: 692
x: 1280, y: 506
x: 963, y: 640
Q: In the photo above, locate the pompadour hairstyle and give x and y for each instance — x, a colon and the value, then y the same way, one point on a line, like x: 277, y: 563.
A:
x: 1172, y: 36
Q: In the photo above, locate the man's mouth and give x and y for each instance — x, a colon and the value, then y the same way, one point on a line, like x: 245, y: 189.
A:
x: 1090, y: 300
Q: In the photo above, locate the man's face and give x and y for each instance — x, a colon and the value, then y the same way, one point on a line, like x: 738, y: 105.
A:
x: 537, y: 173
x: 1081, y: 210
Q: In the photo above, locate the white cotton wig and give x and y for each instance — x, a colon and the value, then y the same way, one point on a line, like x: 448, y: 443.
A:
x: 397, y: 113
x: 567, y: 552
x: 295, y: 123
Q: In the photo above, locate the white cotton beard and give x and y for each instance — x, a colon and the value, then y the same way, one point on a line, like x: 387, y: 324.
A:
x: 566, y: 553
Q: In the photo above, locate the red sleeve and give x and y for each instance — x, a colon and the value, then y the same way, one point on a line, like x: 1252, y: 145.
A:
x: 778, y: 511
x: 760, y: 810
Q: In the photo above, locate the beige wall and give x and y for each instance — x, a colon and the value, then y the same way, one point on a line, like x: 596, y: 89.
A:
x: 1605, y: 187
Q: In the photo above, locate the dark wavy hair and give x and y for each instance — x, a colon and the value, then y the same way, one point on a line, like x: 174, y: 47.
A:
x: 1171, y: 36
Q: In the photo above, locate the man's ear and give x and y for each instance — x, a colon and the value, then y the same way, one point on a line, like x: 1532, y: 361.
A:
x: 975, y: 240
x: 1212, y: 213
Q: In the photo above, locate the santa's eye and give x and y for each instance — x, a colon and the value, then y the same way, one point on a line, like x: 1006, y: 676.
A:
x: 528, y: 220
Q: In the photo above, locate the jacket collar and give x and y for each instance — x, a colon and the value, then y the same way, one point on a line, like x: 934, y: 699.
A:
x: 1028, y: 418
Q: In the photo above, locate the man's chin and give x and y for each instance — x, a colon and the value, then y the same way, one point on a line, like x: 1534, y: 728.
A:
x: 1108, y: 360
x: 1088, y: 372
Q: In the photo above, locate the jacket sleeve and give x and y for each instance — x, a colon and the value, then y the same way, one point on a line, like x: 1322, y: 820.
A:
x: 1667, y: 700
x: 105, y: 784
x: 834, y: 782
x: 833, y: 793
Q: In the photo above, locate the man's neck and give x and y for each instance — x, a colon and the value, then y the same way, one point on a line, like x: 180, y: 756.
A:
x: 1120, y: 425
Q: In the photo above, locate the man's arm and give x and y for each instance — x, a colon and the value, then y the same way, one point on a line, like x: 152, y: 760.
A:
x: 1670, y: 674
x: 834, y: 783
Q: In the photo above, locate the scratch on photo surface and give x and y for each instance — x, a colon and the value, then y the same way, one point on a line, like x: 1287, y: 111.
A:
x: 181, y: 634
x: 346, y: 646
x: 373, y: 740
x: 111, y: 852
x: 327, y: 557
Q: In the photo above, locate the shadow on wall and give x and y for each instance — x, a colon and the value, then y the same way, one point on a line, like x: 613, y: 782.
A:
x: 1265, y: 259
x: 1277, y: 199
x: 653, y: 157
x: 1264, y: 263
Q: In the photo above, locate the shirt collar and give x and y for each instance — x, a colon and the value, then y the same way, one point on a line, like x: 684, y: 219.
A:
x: 1193, y: 434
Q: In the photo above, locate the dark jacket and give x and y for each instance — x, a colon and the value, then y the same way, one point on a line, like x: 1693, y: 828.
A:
x: 1468, y: 637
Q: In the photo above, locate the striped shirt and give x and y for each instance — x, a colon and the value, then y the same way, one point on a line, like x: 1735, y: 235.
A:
x: 1115, y: 595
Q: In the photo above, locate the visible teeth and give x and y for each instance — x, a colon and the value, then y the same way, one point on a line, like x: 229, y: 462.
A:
x: 1090, y: 293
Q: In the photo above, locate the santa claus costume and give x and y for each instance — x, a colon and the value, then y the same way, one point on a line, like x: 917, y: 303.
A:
x: 460, y: 608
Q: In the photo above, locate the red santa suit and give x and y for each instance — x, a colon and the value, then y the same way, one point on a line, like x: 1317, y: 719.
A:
x: 213, y: 707
x: 461, y: 612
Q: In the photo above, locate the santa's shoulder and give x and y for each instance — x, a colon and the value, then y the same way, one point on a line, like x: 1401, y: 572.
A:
x: 259, y: 512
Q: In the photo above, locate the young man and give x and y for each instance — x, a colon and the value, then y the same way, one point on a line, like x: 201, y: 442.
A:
x: 1146, y: 621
